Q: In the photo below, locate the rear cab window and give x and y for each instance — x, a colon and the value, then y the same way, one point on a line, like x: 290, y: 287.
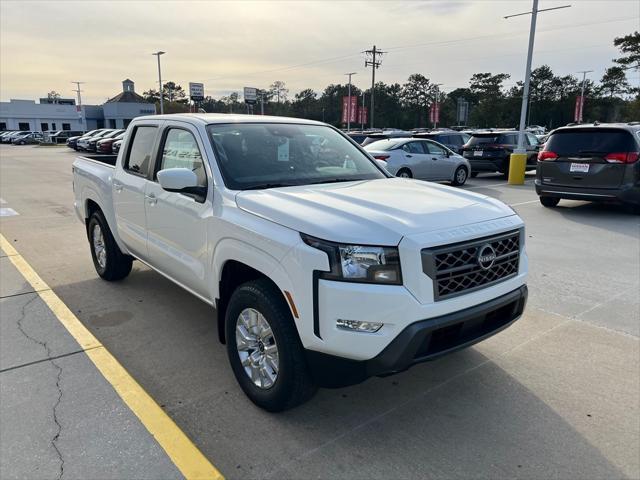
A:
x: 140, y: 150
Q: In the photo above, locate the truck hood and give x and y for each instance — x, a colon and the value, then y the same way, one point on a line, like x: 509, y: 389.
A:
x: 371, y: 212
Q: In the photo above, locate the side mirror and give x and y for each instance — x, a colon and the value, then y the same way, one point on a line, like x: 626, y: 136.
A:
x: 181, y: 180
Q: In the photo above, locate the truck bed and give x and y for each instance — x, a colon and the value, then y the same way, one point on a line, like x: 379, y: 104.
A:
x: 106, y: 159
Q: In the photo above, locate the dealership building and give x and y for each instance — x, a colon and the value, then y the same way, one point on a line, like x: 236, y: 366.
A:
x: 64, y: 114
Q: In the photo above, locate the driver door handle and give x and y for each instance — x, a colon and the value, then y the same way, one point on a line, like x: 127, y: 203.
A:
x: 151, y: 198
x: 408, y: 156
x: 117, y: 187
x: 434, y: 158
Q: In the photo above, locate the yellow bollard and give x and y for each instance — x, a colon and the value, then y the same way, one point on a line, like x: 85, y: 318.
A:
x: 517, y: 166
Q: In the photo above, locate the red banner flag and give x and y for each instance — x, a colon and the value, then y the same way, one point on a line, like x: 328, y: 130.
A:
x: 434, y: 113
x: 577, y: 113
x: 363, y: 115
x: 349, y: 112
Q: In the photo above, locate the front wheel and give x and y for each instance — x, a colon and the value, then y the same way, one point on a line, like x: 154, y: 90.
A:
x: 549, y: 202
x: 459, y: 177
x: 110, y: 263
x: 264, y: 350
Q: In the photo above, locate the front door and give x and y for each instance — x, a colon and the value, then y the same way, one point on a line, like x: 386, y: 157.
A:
x: 129, y: 184
x: 177, y: 222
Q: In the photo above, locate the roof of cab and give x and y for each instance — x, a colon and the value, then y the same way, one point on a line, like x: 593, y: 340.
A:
x: 220, y: 118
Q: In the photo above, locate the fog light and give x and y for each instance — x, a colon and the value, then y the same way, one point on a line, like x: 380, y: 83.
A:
x: 358, y: 326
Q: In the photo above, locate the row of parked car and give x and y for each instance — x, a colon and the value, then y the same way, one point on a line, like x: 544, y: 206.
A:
x: 27, y: 137
x: 101, y: 140
x: 595, y: 162
x: 447, y: 154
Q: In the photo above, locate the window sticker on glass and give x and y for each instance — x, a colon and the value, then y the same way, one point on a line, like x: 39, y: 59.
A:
x: 283, y: 150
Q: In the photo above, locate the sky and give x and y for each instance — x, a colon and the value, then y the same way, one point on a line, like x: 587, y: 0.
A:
x: 227, y: 45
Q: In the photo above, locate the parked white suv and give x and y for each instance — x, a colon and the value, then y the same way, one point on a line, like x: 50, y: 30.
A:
x: 323, y: 268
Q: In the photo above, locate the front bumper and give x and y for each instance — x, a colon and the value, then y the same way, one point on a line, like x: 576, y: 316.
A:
x: 422, y: 341
x: 625, y: 194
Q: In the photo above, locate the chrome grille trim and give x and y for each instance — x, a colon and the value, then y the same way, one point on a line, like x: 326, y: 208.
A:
x: 455, y: 270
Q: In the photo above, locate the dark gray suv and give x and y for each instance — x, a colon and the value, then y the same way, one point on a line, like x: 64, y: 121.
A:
x: 596, y: 162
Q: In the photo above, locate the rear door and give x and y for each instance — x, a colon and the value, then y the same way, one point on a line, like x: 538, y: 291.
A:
x: 586, y: 157
x: 417, y: 159
x: 129, y: 185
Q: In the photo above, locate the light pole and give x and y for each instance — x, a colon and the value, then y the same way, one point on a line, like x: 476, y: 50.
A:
x: 362, y: 114
x: 79, y: 107
x: 349, y: 102
x: 157, y: 54
x: 436, y: 112
x: 584, y: 80
x: 519, y: 156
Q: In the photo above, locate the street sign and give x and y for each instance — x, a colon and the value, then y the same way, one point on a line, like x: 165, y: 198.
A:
x: 347, y: 111
x: 196, y: 91
x: 250, y: 95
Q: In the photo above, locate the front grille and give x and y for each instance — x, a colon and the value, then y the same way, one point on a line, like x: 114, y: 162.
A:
x: 457, y: 269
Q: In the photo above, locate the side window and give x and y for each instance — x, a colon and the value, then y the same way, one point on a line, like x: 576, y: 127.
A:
x: 450, y: 140
x: 435, y: 149
x: 413, y: 147
x: 181, y: 150
x: 140, y: 150
x: 533, y: 140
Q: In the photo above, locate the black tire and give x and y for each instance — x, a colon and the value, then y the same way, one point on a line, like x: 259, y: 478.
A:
x: 474, y: 174
x: 116, y: 265
x: 458, y: 177
x: 404, y: 173
x: 293, y: 384
x: 549, y: 202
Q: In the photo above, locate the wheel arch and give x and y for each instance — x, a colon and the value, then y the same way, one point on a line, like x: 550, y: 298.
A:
x: 236, y: 263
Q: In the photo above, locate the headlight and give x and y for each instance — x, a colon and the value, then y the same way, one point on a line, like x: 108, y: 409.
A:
x: 359, y: 263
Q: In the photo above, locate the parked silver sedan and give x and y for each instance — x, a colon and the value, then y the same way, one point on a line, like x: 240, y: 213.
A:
x: 420, y: 158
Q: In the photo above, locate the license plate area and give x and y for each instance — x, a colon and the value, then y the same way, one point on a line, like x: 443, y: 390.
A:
x: 579, y: 168
x: 477, y: 153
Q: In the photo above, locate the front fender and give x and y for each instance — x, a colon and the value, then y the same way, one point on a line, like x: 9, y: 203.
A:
x: 256, y: 258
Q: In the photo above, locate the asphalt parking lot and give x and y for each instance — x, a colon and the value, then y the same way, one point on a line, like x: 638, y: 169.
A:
x: 557, y: 395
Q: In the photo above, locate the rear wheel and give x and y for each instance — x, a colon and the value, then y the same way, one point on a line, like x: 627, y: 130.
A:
x: 404, y: 173
x: 549, y: 202
x: 460, y: 176
x: 110, y: 263
x: 264, y: 350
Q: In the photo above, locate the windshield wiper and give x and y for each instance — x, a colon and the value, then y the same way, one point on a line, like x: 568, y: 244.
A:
x: 336, y: 180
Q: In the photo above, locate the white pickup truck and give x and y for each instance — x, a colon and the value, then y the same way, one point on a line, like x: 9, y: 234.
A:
x: 323, y: 269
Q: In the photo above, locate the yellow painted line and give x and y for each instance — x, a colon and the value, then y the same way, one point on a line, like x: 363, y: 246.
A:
x: 182, y: 452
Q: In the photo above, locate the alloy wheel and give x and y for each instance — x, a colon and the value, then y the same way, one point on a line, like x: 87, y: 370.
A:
x: 257, y: 348
x: 99, y: 247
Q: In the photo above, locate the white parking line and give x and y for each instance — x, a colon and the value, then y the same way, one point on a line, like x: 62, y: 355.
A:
x: 8, y: 212
x: 526, y: 182
x: 523, y: 203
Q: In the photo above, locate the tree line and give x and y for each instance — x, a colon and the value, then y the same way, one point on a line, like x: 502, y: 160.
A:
x: 490, y: 102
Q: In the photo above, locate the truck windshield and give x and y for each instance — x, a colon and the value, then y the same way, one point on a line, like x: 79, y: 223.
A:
x: 265, y: 155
